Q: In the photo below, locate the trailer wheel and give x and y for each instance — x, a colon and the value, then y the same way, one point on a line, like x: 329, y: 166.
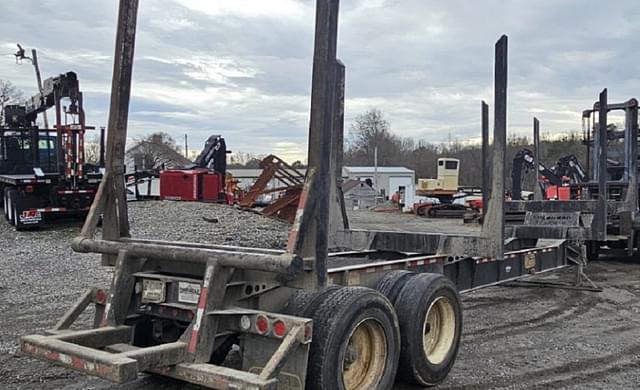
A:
x: 392, y: 283
x: 430, y: 317
x: 356, y: 343
x: 304, y: 303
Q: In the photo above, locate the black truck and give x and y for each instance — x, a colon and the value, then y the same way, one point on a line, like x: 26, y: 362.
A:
x: 43, y: 171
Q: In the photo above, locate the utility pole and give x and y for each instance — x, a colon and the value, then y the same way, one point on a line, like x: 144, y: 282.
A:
x: 34, y: 61
x: 375, y: 172
x: 186, y: 146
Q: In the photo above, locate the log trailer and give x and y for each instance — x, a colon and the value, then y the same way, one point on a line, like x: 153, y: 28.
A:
x: 305, y: 318
x: 42, y: 171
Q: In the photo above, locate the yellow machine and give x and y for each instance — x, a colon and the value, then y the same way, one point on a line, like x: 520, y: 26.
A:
x: 448, y: 174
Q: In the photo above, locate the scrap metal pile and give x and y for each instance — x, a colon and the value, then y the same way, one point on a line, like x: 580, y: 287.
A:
x: 287, y: 189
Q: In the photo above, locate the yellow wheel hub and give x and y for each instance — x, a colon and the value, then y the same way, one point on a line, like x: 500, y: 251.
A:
x: 365, y: 356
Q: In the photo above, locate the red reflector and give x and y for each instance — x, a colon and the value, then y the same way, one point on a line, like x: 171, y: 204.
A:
x: 308, y: 330
x: 28, y: 189
x: 101, y: 297
x: 262, y: 324
x: 279, y: 328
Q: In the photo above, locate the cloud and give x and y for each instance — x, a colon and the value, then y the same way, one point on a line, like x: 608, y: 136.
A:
x: 243, y: 68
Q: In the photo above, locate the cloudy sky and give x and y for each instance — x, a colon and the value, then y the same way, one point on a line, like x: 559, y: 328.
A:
x: 242, y: 68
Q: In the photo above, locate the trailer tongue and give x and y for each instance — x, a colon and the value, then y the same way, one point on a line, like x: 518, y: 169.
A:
x: 304, y: 317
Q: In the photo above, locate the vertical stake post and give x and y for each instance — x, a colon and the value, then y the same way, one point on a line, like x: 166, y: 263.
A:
x: 493, y: 226
x: 601, y: 157
x: 486, y: 177
x: 537, y: 191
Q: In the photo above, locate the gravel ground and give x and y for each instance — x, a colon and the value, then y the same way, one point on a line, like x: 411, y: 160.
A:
x: 514, y: 338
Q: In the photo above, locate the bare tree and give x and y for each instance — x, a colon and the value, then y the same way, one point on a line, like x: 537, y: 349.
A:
x: 156, y: 150
x: 371, y: 130
x: 9, y: 94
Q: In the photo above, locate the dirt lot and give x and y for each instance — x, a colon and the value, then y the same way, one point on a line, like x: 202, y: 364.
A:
x: 514, y: 338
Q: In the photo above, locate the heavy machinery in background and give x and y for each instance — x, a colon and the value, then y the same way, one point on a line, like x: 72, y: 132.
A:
x: 559, y: 182
x: 202, y: 181
x: 443, y: 197
x: 284, y: 196
x: 605, y: 214
x: 43, y: 172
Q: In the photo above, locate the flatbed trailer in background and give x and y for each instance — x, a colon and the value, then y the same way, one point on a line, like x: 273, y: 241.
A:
x: 42, y: 171
x: 381, y: 305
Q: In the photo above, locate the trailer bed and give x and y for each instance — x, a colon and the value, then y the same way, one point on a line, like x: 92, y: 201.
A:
x: 27, y: 179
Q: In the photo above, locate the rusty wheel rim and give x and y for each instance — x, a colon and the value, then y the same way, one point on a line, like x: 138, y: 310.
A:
x: 439, y: 330
x: 365, y: 356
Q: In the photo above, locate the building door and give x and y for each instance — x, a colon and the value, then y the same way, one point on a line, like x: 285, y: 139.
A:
x: 396, y: 182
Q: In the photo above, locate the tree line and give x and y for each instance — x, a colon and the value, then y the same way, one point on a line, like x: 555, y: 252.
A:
x: 371, y: 129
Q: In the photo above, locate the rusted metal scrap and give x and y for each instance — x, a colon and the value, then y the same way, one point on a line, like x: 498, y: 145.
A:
x: 292, y: 180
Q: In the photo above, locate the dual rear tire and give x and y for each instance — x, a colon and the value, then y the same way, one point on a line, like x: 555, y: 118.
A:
x: 409, y: 326
x: 430, y: 316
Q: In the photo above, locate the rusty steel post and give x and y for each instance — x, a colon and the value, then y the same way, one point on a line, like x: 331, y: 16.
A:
x: 339, y: 219
x: 493, y: 226
x: 102, y: 150
x: 315, y: 224
x: 485, y: 158
x: 537, y: 191
x: 601, y: 153
x: 110, y: 198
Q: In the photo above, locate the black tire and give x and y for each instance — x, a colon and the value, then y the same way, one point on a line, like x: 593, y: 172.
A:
x: 593, y: 250
x: 16, y: 211
x: 304, y: 303
x: 5, y: 208
x: 365, y: 316
x: 428, y: 300
x: 391, y: 284
x: 11, y: 206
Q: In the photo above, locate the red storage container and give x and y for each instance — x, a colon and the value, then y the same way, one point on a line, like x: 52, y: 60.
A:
x: 181, y: 184
x: 211, y: 187
x: 558, y: 193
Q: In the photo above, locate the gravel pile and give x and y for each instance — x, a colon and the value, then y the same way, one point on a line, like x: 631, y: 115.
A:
x: 206, y: 223
x: 41, y: 277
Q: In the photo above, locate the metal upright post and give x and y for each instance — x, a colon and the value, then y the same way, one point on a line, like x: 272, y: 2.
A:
x: 537, y: 191
x: 493, y: 226
x: 338, y: 146
x: 102, y: 150
x: 600, y: 153
x: 315, y: 222
x: 110, y: 199
x: 34, y: 61
x: 375, y: 172
x: 485, y: 158
x: 631, y: 157
x: 186, y: 146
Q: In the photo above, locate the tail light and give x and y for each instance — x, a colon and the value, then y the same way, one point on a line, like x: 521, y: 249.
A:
x: 262, y: 324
